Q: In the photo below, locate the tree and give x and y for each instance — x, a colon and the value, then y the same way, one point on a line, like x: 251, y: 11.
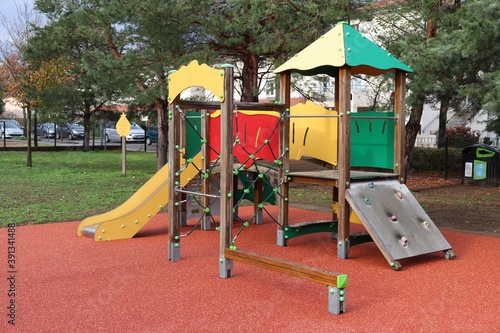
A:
x: 143, y: 40
x: 74, y: 35
x: 20, y: 79
x: 259, y: 34
x: 476, y: 40
x: 407, y: 30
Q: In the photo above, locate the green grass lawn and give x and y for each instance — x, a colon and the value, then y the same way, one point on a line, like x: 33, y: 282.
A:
x: 66, y: 186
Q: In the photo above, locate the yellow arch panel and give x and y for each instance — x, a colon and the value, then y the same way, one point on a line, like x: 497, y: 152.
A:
x: 313, y: 136
x: 194, y: 75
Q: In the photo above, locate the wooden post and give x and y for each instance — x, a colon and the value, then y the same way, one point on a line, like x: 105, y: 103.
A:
x: 226, y: 174
x: 205, y: 149
x: 344, y: 163
x: 174, y: 166
x: 335, y: 190
x: 399, y: 130
x: 284, y: 141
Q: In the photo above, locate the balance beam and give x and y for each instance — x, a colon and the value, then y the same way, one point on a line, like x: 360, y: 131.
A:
x: 336, y: 282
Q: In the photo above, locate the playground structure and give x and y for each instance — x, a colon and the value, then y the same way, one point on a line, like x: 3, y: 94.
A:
x: 269, y: 156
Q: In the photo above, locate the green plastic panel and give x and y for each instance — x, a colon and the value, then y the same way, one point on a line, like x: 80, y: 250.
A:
x: 484, y: 153
x: 267, y: 193
x: 193, y: 133
x: 372, y: 139
x: 301, y: 229
x: 360, y: 51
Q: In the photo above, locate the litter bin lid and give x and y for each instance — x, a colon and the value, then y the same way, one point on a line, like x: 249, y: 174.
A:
x: 482, y: 151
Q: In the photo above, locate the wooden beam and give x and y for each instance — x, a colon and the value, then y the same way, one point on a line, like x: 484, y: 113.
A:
x: 284, y: 141
x: 344, y: 157
x: 205, y: 149
x: 174, y: 162
x: 278, y: 265
x: 241, y: 106
x: 226, y: 162
x: 399, y: 130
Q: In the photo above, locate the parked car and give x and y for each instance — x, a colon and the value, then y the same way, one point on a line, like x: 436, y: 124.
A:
x: 45, y: 130
x: 71, y: 131
x: 152, y: 134
x: 136, y: 134
x: 9, y: 129
x: 13, y: 121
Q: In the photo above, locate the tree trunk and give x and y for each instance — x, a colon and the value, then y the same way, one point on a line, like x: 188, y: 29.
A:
x: 29, y: 161
x: 412, y: 128
x: 249, y: 76
x: 86, y: 127
x: 443, y: 119
x: 161, y: 107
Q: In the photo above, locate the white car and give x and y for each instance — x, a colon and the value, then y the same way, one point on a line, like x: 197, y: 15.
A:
x: 9, y: 129
x: 136, y: 134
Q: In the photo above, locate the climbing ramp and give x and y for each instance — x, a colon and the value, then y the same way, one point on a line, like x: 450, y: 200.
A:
x: 395, y: 220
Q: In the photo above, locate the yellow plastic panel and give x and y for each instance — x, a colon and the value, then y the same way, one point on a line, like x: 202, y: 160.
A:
x: 194, y: 75
x: 313, y: 136
x: 328, y: 50
x: 353, y: 217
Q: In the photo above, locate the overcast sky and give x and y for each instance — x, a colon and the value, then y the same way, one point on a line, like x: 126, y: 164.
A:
x: 9, y: 12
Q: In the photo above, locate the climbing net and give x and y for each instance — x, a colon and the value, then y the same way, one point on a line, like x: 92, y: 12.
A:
x: 257, y: 164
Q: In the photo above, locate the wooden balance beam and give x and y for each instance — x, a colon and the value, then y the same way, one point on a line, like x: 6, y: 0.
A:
x: 336, y: 282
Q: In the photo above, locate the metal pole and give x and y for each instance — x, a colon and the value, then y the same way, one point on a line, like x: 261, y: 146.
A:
x: 445, y: 157
x: 4, y: 135
x: 124, y: 156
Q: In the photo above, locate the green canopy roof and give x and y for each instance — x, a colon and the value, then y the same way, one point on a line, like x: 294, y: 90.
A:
x: 343, y: 45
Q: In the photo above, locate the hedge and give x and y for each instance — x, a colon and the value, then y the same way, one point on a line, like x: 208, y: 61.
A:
x: 433, y: 159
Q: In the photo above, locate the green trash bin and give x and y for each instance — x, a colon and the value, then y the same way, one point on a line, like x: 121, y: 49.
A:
x: 480, y: 165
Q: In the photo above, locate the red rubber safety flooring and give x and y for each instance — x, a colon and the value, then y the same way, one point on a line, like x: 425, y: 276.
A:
x: 65, y: 283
